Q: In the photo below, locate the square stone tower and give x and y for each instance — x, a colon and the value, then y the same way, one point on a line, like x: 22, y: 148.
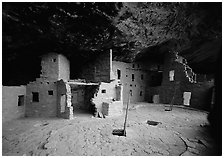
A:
x: 55, y: 67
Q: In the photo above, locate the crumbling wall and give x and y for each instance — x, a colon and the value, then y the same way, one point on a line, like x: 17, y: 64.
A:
x: 99, y: 70
x: 107, y: 95
x: 68, y: 107
x: 41, y: 98
x: 11, y: 108
x: 90, y: 92
x: 64, y: 100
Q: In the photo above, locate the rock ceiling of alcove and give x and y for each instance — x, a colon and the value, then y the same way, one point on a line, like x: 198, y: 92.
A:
x: 83, y: 30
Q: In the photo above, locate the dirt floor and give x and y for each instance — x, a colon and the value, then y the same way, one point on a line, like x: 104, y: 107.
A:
x: 180, y: 132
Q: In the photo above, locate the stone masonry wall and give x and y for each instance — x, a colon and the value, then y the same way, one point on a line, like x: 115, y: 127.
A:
x: 50, y: 66
x: 64, y: 68
x: 150, y: 92
x: 55, y: 67
x: 134, y: 77
x: 184, y: 81
x: 46, y: 106
x: 201, y: 94
x: 99, y: 70
x: 168, y: 87
x: 107, y: 95
x: 78, y: 93
x: 90, y: 92
x: 10, y: 98
x: 61, y: 98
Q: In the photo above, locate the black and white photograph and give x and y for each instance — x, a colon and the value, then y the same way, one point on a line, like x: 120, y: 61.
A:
x: 111, y: 78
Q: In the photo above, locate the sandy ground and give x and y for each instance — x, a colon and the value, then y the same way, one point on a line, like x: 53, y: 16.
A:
x: 180, y: 132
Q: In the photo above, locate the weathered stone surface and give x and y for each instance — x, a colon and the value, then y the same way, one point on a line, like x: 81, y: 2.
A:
x: 88, y: 136
x: 188, y: 153
x: 10, y: 108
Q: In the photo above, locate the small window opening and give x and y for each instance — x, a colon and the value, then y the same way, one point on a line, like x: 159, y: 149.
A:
x: 21, y: 100
x: 131, y: 85
x: 142, y: 77
x: 126, y: 75
x: 133, y: 66
x: 138, y: 65
x: 118, y: 74
x: 140, y: 93
x: 50, y: 92
x: 35, y: 96
x: 54, y: 60
x: 133, y: 77
x: 103, y: 91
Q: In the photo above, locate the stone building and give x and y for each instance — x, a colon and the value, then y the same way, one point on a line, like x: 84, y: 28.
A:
x: 104, y: 86
x: 172, y: 81
x: 179, y: 85
x: 55, y: 94
x: 41, y: 95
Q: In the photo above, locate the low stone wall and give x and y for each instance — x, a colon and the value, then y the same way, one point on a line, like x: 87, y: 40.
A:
x: 11, y: 108
x: 114, y: 108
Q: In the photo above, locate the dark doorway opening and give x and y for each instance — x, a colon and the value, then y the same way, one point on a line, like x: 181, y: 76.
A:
x: 81, y: 100
x: 21, y: 100
x: 118, y: 74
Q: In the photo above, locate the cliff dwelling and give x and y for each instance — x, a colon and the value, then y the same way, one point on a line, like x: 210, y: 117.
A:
x: 111, y: 79
x: 104, y: 85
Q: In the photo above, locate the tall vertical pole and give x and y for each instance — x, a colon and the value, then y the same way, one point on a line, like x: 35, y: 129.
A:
x: 126, y: 114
